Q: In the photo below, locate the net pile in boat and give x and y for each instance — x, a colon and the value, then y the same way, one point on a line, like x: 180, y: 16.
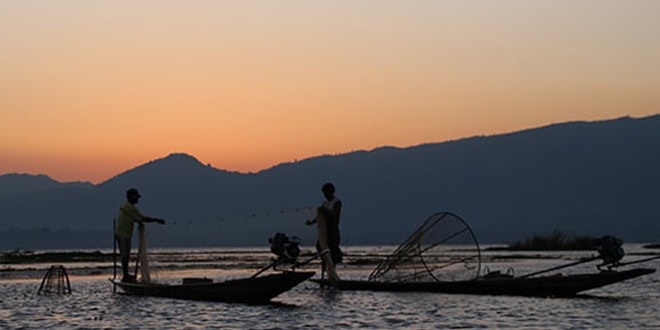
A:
x: 443, y: 248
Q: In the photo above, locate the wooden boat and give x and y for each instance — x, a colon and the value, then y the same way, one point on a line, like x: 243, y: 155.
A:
x: 542, y: 286
x: 252, y: 290
x: 423, y: 263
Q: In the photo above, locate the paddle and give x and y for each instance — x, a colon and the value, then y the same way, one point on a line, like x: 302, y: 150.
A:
x: 638, y: 261
x: 560, y: 267
x: 114, y: 254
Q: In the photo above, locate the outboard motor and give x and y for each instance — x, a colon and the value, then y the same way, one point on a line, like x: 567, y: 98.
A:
x: 287, y: 249
x: 610, y: 250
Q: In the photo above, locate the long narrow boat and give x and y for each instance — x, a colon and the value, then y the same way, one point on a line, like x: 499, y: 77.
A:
x: 443, y: 255
x: 252, y: 290
x: 542, y: 286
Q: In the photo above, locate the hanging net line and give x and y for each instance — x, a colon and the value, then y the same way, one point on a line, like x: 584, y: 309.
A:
x: 443, y: 248
x: 143, y: 255
x: 144, y: 260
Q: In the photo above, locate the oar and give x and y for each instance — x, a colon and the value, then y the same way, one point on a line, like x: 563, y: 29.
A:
x: 137, y: 264
x: 137, y: 260
x: 272, y: 264
x: 638, y: 261
x: 310, y: 259
x: 581, y: 261
x: 114, y: 254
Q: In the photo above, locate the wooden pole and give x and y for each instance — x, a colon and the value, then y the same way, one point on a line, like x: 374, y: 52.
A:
x: 581, y: 261
x: 114, y: 255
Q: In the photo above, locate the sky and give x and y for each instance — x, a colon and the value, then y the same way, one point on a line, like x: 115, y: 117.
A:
x: 89, y: 89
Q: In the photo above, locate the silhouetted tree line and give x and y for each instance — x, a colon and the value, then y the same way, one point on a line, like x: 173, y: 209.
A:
x: 557, y: 240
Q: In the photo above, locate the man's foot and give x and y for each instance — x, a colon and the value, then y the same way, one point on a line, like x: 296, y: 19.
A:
x: 128, y: 279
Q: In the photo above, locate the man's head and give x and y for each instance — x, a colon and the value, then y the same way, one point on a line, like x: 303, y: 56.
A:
x: 328, y: 190
x: 133, y: 195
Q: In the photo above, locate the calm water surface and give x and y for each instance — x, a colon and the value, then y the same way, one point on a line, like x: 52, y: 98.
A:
x: 634, y: 304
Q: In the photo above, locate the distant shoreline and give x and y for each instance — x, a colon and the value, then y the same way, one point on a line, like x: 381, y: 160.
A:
x: 27, y: 265
x: 236, y: 255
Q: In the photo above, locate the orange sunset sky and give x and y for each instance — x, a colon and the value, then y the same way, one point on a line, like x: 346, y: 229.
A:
x: 89, y: 89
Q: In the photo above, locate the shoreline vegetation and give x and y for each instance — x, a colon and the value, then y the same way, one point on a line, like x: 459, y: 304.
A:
x: 31, y: 264
x: 555, y: 241
x: 558, y: 241
x: 30, y: 257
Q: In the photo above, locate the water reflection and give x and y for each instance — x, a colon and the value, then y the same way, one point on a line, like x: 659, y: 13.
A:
x: 632, y: 304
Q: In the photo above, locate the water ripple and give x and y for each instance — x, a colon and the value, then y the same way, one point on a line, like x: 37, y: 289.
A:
x: 92, y: 305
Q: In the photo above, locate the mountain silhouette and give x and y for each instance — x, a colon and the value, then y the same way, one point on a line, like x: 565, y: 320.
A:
x: 14, y: 184
x: 585, y: 178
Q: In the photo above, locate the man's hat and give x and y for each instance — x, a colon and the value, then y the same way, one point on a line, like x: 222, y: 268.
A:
x: 132, y: 192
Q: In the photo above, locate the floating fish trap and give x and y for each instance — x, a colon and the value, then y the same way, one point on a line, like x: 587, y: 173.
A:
x: 56, y: 281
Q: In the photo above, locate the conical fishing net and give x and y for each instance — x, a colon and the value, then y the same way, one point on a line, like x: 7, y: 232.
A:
x: 443, y: 248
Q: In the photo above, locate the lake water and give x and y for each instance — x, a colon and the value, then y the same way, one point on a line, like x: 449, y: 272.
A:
x: 634, y: 304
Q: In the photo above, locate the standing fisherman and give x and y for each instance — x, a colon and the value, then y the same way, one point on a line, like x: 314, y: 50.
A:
x: 129, y: 214
x: 329, y: 238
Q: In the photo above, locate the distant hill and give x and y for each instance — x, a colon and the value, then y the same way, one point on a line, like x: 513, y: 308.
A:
x: 586, y: 178
x: 17, y: 183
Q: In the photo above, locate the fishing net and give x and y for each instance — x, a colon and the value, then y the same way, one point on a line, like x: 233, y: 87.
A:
x: 145, y: 259
x: 443, y: 248
x: 143, y: 256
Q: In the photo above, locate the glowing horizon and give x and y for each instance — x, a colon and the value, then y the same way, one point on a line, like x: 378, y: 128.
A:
x: 91, y: 89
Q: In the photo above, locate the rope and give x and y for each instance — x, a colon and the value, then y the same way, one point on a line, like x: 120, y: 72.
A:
x: 255, y: 216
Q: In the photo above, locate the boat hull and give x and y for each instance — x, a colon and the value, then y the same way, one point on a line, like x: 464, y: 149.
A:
x: 257, y: 290
x: 546, y: 286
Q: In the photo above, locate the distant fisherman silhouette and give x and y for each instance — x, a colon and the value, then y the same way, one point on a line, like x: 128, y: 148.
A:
x: 327, y: 221
x: 129, y: 214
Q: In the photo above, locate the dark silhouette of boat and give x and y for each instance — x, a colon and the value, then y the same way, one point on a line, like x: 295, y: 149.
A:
x: 252, y: 290
x: 255, y: 289
x: 443, y: 256
x: 542, y: 286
